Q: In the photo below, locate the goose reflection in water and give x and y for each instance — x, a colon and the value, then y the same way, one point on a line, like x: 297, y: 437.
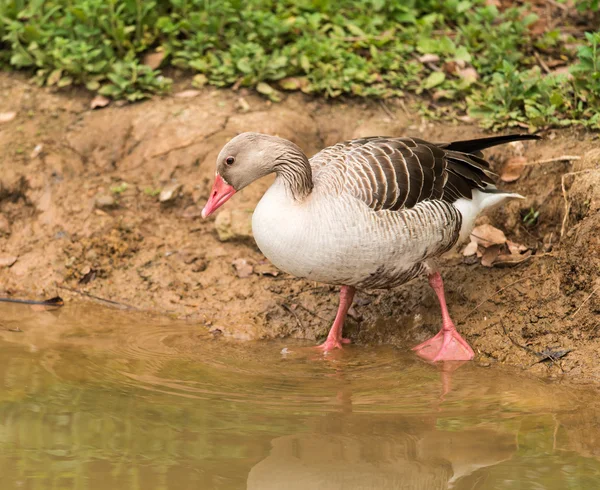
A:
x: 352, y: 451
x: 416, y: 456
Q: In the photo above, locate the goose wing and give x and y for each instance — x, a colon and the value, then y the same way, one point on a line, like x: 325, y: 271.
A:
x: 398, y: 173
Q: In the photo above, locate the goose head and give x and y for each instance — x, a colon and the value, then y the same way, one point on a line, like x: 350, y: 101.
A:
x: 244, y: 159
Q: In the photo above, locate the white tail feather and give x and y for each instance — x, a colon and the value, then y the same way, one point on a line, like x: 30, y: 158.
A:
x: 471, y: 208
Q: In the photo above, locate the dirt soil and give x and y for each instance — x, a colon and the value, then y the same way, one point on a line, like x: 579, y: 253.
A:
x: 106, y: 204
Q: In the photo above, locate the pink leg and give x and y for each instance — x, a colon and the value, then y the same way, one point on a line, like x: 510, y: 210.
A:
x: 447, y: 344
x: 334, y: 339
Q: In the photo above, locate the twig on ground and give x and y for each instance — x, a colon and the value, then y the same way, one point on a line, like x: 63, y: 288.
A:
x: 387, y: 110
x: 56, y: 301
x: 541, y: 62
x: 561, y: 6
x: 287, y: 308
x: 585, y: 301
x: 308, y: 310
x: 98, y: 298
x: 404, y: 108
x: 563, y: 158
x: 542, y: 356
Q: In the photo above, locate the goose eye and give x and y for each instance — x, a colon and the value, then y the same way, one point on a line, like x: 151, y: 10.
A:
x: 230, y: 160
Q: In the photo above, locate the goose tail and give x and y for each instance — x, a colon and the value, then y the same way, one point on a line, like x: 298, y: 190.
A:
x: 482, y: 201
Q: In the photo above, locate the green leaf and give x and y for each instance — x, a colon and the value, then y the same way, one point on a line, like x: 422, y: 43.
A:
x: 65, y: 82
x: 426, y: 45
x: 243, y: 64
x: 92, y: 85
x: 557, y: 99
x: 462, y: 54
x: 305, y: 63
x: 270, y: 92
x: 434, y: 79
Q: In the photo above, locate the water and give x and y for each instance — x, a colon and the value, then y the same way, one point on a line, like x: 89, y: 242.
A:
x: 92, y: 398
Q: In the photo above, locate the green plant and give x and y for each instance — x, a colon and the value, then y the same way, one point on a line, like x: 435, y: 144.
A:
x: 119, y: 189
x: 149, y: 191
x: 460, y: 54
x: 531, y: 218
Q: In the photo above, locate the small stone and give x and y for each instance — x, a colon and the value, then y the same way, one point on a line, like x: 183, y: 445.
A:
x: 470, y: 259
x: 199, y: 266
x: 7, y: 260
x: 36, y: 151
x: 170, y: 192
x: 105, y: 201
x: 243, y: 104
x: 187, y: 94
x: 4, y: 225
x: 7, y: 116
x: 192, y: 212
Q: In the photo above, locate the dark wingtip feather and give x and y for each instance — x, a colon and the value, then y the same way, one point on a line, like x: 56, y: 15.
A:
x: 473, y: 146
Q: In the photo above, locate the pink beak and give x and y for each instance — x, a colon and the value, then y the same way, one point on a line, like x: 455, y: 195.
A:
x: 220, y: 194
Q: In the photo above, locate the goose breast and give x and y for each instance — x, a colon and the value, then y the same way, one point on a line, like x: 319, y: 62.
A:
x: 337, y: 239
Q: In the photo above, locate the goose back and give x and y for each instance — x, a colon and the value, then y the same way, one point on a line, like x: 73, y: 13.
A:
x: 398, y: 173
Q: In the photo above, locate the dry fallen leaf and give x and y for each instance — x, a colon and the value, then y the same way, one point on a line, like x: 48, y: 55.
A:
x: 510, y: 260
x: 469, y: 74
x: 429, y: 58
x: 187, y: 94
x: 153, y: 60
x: 487, y: 235
x: 99, y: 101
x: 513, y: 168
x: 242, y: 268
x: 489, y: 256
x: 7, y: 116
x: 465, y: 119
x: 450, y: 67
x: 516, y: 248
x: 266, y: 270
x: 470, y: 249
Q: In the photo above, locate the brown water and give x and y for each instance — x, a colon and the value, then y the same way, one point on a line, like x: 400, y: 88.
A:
x: 92, y: 398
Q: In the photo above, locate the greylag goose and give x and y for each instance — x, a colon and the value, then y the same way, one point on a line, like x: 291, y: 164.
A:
x: 368, y: 213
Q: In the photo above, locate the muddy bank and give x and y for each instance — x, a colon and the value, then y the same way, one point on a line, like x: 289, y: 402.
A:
x: 108, y: 202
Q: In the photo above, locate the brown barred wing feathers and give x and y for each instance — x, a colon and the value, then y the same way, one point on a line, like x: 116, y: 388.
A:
x: 398, y: 173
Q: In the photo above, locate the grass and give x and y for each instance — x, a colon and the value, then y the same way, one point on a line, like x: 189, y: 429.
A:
x: 462, y: 56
